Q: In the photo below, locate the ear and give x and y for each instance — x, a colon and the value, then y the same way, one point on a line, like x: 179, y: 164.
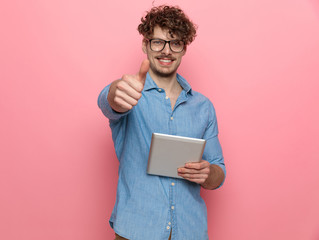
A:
x: 184, y: 52
x: 144, y: 45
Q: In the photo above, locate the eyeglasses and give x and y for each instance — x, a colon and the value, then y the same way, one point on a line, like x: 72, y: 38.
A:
x: 158, y: 45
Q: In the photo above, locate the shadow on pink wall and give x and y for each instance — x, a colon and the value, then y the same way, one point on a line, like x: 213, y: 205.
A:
x: 315, y: 4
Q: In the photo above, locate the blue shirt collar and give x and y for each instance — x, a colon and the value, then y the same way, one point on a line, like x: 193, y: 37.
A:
x: 150, y: 84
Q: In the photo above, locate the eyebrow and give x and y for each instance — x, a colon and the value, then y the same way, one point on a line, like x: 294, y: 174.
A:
x: 166, y: 40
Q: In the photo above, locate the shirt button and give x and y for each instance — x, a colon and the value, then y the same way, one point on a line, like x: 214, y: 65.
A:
x: 159, y: 90
x: 173, y: 184
x: 172, y: 207
x: 169, y: 223
x: 168, y: 227
x: 166, y: 97
x: 172, y: 118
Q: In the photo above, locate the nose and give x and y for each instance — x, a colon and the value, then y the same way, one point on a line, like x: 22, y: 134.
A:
x: 167, y: 49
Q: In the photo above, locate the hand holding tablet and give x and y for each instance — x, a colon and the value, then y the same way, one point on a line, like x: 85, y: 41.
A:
x: 170, y: 152
x: 196, y: 172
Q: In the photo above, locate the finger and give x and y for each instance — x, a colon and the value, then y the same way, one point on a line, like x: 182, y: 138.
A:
x: 196, y: 180
x: 135, y: 83
x: 194, y: 171
x: 197, y: 165
x: 127, y: 98
x: 126, y: 87
x: 123, y: 104
x: 143, y: 71
x: 193, y: 176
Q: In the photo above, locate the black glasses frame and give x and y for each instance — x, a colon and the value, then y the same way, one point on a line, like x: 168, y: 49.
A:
x: 169, y: 44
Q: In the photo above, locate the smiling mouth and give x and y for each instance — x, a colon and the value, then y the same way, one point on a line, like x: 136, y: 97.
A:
x: 165, y: 60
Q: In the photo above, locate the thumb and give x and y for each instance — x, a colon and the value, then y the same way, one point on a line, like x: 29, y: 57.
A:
x: 143, y: 70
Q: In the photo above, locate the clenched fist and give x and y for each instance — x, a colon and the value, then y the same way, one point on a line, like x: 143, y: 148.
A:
x: 125, y: 92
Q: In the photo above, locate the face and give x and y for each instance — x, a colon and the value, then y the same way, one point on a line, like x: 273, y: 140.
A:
x: 163, y: 63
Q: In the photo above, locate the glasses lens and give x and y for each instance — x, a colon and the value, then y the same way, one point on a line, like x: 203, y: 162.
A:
x: 177, y: 46
x: 157, y: 45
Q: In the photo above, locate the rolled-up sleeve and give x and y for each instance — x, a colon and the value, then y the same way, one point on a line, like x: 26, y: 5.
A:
x: 213, y: 152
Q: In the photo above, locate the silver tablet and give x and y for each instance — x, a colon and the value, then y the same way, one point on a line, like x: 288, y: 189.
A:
x: 169, y: 152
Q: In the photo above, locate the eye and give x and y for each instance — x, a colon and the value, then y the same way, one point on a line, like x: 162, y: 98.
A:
x: 157, y: 42
x: 177, y: 43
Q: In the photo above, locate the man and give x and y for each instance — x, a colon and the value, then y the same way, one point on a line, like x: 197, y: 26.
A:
x: 157, y: 99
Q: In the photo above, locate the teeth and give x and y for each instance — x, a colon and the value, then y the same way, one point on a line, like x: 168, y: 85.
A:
x: 165, y: 60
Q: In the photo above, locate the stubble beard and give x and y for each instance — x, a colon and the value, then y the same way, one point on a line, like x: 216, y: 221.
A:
x: 163, y: 74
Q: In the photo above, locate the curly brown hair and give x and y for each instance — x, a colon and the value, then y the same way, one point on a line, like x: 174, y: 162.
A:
x: 171, y: 18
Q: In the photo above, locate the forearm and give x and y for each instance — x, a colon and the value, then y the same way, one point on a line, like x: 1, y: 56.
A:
x: 215, y: 177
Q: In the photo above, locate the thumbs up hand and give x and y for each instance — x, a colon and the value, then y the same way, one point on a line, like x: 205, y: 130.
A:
x: 125, y: 92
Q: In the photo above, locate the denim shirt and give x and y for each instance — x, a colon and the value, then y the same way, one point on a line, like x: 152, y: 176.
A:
x: 149, y: 206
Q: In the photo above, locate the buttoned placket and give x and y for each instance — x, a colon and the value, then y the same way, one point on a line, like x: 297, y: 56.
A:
x: 168, y: 106
x: 172, y: 204
x: 172, y: 185
x: 172, y: 130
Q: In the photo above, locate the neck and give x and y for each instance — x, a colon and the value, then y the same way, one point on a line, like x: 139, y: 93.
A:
x: 168, y: 83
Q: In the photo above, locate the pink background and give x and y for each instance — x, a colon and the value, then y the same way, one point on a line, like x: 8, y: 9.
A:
x: 256, y: 60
